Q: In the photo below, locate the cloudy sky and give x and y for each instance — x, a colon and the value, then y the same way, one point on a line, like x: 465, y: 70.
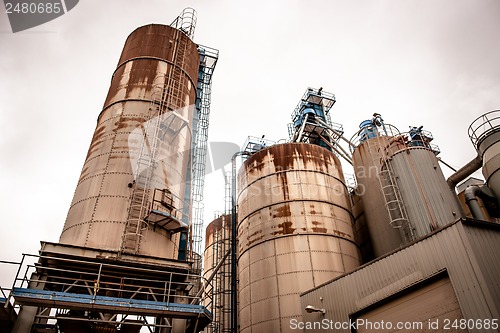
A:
x: 416, y: 62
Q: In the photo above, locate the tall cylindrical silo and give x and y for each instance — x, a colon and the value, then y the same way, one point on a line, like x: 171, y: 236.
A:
x: 140, y: 151
x: 295, y: 231
x: 367, y: 161
x: 217, y: 245
x: 427, y: 197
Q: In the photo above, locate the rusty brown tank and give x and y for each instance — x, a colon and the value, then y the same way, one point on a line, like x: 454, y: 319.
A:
x: 217, y: 243
x: 155, y: 59
x: 295, y: 231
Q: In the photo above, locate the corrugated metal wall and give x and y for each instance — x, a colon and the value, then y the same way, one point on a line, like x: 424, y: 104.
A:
x: 435, y: 302
x: 464, y: 249
x: 427, y: 197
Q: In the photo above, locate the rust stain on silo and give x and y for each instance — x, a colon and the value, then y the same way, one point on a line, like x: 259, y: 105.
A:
x: 282, y: 195
x: 286, y: 228
x: 125, y: 122
x: 284, y: 183
x: 314, y: 211
x: 282, y: 211
x: 152, y: 55
x: 96, y: 140
x: 253, y: 240
x: 318, y: 227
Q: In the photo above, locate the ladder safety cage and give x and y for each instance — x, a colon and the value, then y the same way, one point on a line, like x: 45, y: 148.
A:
x: 208, y: 60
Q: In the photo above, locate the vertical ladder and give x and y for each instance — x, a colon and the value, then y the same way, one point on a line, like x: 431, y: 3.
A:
x: 208, y: 60
x: 175, y: 96
x: 140, y: 198
x: 398, y: 218
x: 166, y: 92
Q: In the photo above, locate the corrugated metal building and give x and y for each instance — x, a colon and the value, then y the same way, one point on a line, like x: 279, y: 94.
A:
x: 453, y: 273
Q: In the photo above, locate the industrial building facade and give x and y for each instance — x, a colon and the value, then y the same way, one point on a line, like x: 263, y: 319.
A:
x: 448, y: 278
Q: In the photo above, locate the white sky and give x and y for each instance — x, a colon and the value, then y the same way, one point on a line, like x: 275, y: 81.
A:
x: 417, y: 62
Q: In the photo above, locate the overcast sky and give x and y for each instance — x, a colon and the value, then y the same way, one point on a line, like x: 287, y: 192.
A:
x: 417, y: 62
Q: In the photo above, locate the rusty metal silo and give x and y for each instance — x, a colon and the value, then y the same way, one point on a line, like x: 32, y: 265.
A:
x: 370, y: 146
x: 132, y: 195
x: 217, y: 245
x: 295, y: 231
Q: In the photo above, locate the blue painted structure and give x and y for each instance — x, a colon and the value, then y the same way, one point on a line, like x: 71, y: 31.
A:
x: 35, y: 297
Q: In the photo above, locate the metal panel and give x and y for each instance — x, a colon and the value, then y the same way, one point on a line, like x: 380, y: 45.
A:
x: 429, y: 304
x: 295, y: 231
x: 427, y: 197
x: 472, y: 269
x: 485, y: 248
x: 98, y: 213
x: 361, y: 233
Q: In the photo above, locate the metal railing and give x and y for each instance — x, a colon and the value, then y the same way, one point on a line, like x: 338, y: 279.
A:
x: 364, y: 134
x: 106, y: 279
x: 253, y: 144
x: 403, y: 138
x: 483, y: 126
x: 186, y: 22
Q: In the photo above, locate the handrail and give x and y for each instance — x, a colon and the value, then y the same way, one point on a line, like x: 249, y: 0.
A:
x: 106, y: 279
x: 483, y: 125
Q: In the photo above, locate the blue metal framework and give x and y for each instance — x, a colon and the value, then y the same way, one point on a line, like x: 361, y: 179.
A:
x: 311, y: 122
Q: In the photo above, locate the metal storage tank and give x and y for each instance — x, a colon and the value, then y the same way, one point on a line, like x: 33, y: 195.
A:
x: 295, y: 231
x: 371, y: 145
x: 427, y: 197
x: 217, y: 243
x: 484, y: 133
x: 156, y: 75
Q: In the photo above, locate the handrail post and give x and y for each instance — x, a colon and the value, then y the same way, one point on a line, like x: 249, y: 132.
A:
x: 169, y: 288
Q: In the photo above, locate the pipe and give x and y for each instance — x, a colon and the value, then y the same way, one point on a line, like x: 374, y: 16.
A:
x: 444, y: 163
x: 298, y: 137
x: 464, y: 171
x: 344, y: 155
x: 471, y: 194
x: 340, y: 134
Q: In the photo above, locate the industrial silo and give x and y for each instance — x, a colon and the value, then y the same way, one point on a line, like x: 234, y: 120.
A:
x: 427, y: 197
x: 217, y: 265
x: 403, y: 190
x: 133, y: 193
x: 370, y: 145
x: 484, y: 133
x: 295, y: 231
